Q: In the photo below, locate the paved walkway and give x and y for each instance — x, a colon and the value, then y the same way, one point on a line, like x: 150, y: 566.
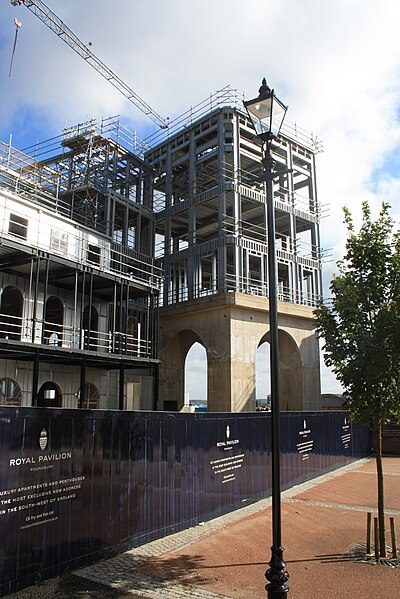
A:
x: 324, y: 527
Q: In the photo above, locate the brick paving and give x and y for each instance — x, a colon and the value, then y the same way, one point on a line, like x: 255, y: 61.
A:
x: 122, y: 572
x: 324, y: 523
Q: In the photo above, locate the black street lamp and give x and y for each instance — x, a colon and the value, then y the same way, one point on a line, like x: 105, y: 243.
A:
x: 267, y: 113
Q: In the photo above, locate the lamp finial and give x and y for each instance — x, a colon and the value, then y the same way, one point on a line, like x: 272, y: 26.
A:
x: 264, y: 89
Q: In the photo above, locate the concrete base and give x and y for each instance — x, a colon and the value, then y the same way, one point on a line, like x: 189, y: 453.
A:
x: 231, y: 326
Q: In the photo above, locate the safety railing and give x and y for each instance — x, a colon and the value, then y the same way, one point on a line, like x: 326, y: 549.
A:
x: 39, y: 230
x: 249, y: 286
x: 38, y: 331
x: 227, y: 96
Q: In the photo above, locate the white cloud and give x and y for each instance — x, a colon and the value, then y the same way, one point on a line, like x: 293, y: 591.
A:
x: 337, y: 65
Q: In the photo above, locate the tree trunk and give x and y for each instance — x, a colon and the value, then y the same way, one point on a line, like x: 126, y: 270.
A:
x: 381, y: 503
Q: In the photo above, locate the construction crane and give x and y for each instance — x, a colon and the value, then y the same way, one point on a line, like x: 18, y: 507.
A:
x: 54, y: 23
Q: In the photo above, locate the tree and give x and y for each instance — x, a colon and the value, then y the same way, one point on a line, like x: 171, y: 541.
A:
x: 361, y: 329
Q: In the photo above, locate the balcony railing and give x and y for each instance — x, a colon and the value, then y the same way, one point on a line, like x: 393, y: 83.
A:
x: 241, y: 285
x: 34, y: 228
x: 27, y: 330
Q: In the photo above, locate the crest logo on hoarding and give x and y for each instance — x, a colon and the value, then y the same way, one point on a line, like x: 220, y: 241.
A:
x: 43, y: 439
x: 228, y: 432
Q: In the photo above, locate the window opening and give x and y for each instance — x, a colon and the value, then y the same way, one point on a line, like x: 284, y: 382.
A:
x: 90, y: 339
x: 94, y: 254
x: 11, y: 314
x: 10, y: 392
x: 92, y: 397
x: 18, y: 226
x: 54, y: 319
x: 49, y: 396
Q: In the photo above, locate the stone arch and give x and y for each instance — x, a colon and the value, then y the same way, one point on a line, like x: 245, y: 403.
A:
x: 290, y: 372
x: 172, y: 371
x: 262, y: 375
x: 196, y: 377
x: 11, y: 309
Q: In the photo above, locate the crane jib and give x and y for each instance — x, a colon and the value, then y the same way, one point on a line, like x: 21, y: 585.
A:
x: 54, y: 23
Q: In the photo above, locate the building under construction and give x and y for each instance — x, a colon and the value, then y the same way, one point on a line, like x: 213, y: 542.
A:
x: 212, y: 219
x: 116, y: 254
x: 79, y: 288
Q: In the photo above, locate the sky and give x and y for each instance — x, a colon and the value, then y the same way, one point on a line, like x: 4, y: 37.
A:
x: 336, y: 64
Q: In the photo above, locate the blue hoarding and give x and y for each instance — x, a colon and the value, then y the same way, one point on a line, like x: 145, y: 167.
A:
x: 77, y: 485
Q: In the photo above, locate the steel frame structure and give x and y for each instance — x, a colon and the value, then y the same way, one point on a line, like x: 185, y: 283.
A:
x: 77, y: 246
x: 211, y: 215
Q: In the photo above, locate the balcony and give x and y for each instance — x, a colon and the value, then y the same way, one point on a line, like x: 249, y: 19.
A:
x: 39, y: 332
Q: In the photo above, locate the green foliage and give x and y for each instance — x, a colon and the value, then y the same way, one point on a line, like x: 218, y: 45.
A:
x: 361, y: 324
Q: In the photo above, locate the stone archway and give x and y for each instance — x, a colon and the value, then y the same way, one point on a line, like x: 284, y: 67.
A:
x: 172, y: 373
x: 290, y: 372
x: 196, y: 377
x: 231, y: 327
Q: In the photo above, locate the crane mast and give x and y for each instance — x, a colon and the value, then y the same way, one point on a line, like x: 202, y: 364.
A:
x: 54, y: 23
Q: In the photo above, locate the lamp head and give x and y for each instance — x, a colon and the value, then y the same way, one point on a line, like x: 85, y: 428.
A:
x: 266, y: 113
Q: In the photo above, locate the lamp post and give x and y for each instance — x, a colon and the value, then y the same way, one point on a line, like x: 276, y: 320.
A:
x: 267, y: 113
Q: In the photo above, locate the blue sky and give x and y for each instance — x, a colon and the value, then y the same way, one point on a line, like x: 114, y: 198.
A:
x: 337, y: 65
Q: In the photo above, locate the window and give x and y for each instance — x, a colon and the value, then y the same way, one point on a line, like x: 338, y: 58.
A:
x: 132, y: 326
x: 18, y: 226
x: 59, y: 241
x: 90, y: 328
x: 132, y: 336
x: 93, y: 254
x: 117, y: 236
x: 53, y: 321
x: 10, y: 392
x: 131, y: 241
x: 91, y: 397
x: 11, y: 306
x: 49, y: 395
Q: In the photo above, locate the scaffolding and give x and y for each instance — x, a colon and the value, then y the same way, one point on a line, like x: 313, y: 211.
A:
x: 78, y: 280
x: 99, y: 227
x: 211, y: 206
x: 227, y: 96
x: 89, y: 175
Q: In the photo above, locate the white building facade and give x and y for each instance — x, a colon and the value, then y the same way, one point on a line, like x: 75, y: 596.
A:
x: 78, y: 288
